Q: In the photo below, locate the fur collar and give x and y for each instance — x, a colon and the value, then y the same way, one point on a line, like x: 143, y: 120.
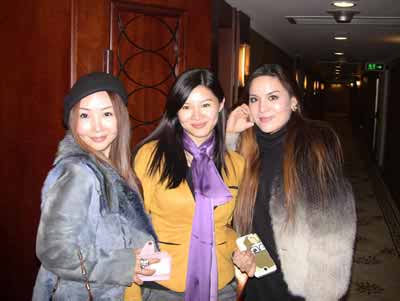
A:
x: 116, y: 196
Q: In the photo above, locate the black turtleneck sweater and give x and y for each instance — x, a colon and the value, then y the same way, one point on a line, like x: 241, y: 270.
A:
x: 271, y: 287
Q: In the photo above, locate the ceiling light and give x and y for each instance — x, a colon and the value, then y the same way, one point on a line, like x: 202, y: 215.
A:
x: 338, y: 53
x: 343, y: 4
x: 343, y: 16
x: 340, y: 38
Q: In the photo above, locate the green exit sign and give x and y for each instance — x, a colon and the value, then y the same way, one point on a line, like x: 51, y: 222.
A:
x: 374, y: 67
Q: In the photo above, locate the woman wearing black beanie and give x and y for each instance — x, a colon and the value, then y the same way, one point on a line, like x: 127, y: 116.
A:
x: 92, y: 222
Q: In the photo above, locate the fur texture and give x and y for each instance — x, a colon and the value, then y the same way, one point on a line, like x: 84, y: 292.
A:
x: 316, y: 250
x: 87, y: 206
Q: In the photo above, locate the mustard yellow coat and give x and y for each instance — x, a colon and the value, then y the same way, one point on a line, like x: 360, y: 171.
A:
x: 172, y: 212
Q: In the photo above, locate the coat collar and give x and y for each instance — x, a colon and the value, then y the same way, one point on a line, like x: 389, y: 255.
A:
x: 116, y: 195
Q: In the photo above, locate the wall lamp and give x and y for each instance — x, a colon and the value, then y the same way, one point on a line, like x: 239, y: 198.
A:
x: 244, y: 63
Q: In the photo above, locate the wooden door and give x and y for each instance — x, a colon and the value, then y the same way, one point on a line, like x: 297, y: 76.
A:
x: 147, y: 47
x: 147, y: 44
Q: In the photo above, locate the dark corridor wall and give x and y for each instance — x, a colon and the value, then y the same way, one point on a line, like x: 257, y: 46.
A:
x: 337, y: 100
x: 391, y: 165
x: 264, y: 52
x: 35, y: 66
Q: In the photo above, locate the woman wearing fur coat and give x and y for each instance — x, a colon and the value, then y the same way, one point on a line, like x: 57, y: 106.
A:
x: 293, y: 194
x: 92, y: 222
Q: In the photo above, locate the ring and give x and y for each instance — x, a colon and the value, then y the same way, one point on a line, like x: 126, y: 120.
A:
x: 144, y: 263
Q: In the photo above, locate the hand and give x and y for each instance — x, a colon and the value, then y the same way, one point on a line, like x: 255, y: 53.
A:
x: 139, y: 270
x: 239, y: 120
x: 245, y: 261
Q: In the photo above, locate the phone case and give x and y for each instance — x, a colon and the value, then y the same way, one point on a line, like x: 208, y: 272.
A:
x: 163, y: 268
x: 264, y: 263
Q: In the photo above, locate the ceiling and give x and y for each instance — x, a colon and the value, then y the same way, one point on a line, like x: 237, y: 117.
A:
x: 373, y: 34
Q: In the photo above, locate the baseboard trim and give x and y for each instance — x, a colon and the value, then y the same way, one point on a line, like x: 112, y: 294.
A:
x: 388, y: 206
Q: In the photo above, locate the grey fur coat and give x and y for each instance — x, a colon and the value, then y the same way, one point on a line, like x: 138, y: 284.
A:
x: 87, y: 206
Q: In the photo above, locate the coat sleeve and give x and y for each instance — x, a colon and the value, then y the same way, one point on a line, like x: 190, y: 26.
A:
x: 231, y: 141
x: 65, y: 206
x: 331, y: 251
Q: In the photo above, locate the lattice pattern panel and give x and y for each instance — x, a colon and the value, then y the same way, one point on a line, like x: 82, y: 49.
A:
x: 147, y: 52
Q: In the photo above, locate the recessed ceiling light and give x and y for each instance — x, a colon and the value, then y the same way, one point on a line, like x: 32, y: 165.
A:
x: 343, y: 4
x: 343, y: 16
x: 338, y: 53
x: 340, y: 38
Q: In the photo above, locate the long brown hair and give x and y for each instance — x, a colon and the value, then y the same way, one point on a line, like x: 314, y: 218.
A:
x: 120, y: 152
x: 312, y: 160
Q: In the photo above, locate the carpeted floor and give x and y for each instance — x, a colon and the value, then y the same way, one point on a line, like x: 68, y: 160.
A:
x: 376, y: 267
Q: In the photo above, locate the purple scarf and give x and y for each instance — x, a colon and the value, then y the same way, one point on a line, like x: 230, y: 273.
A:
x: 209, y: 191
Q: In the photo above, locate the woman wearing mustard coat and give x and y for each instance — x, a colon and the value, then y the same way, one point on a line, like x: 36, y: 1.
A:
x: 190, y: 183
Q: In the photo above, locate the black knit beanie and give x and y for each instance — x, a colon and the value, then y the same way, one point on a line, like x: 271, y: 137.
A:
x: 89, y: 84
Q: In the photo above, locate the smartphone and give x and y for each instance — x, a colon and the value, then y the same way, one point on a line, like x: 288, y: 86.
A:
x: 163, y: 267
x: 264, y: 263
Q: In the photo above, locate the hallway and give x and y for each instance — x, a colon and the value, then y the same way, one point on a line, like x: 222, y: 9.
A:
x: 376, y: 265
x: 148, y: 43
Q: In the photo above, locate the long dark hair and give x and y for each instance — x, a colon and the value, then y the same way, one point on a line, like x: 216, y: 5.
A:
x: 169, y: 156
x: 312, y: 159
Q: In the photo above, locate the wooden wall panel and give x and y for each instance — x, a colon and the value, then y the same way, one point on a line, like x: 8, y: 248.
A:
x: 90, y: 36
x: 92, y: 25
x: 45, y: 47
x: 35, y: 63
x: 95, y: 29
x: 37, y: 73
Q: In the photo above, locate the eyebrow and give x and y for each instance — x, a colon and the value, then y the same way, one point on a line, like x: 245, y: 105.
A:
x: 88, y: 109
x: 201, y: 101
x: 275, y: 91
